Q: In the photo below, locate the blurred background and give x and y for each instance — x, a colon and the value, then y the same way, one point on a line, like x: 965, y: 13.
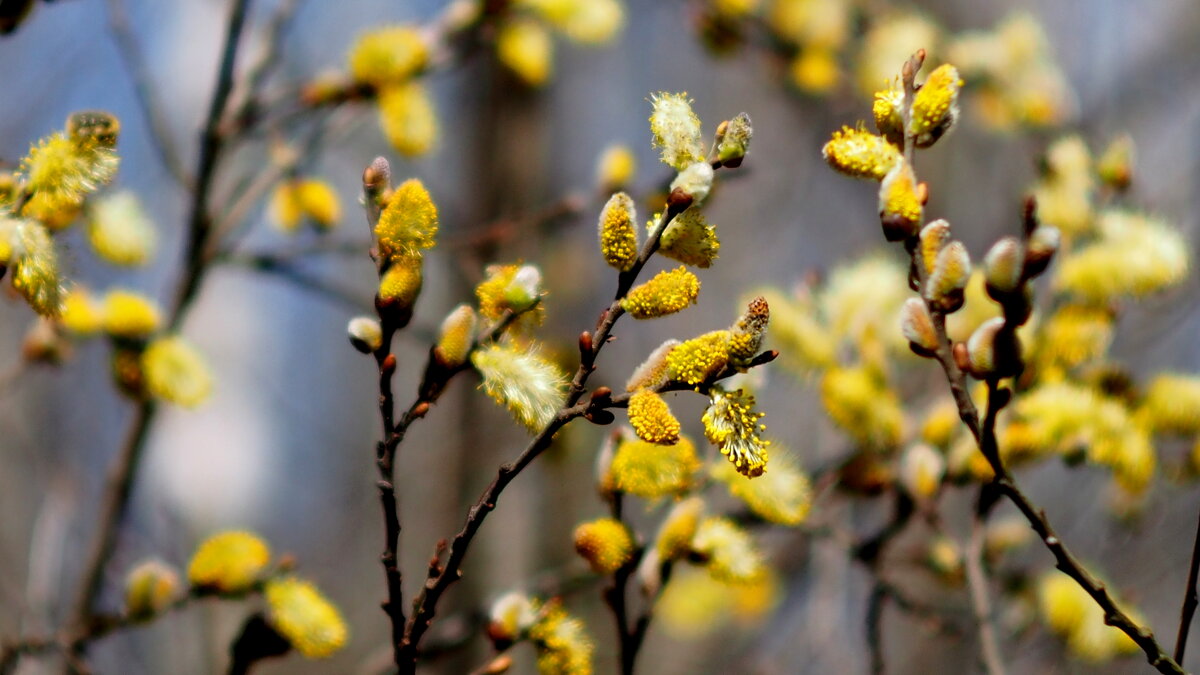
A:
x: 285, y: 445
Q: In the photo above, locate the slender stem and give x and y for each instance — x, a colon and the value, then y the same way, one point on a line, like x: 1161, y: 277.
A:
x: 978, y: 582
x: 985, y: 436
x: 122, y: 33
x: 874, y: 620
x: 124, y: 468
x: 1190, y: 601
x: 441, y: 578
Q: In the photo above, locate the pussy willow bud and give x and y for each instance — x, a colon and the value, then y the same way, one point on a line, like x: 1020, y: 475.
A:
x: 1040, y: 249
x: 921, y: 470
x: 150, y: 588
x: 455, y: 337
x: 618, y: 232
x: 1115, y: 166
x: 676, y: 129
x: 1002, y: 267
x: 695, y: 181
x: 651, y: 418
x: 94, y: 126
x: 935, y: 106
x: 934, y: 237
x: 653, y: 372
x: 888, y: 110
x: 689, y: 239
x: 917, y: 327
x: 944, y: 287
x: 993, y: 351
x: 900, y: 203
x: 401, y: 284
x: 365, y: 334
x: 734, y: 140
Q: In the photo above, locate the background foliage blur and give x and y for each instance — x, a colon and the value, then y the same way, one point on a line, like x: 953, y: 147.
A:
x: 284, y: 447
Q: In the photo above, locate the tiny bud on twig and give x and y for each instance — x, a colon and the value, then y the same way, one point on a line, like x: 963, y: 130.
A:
x: 961, y: 358
x: 388, y: 365
x: 421, y: 409
x: 585, y: 344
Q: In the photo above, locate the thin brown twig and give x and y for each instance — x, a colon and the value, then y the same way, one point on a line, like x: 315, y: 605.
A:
x: 131, y: 54
x: 977, y: 582
x: 1190, y: 601
x: 985, y: 437
x: 125, y: 467
x: 442, y: 577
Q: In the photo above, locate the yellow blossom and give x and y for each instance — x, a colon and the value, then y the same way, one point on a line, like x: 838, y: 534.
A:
x: 935, y: 105
x: 1134, y: 256
x: 63, y: 171
x: 888, y: 110
x: 402, y: 281
x: 652, y: 372
x: 891, y: 39
x: 651, y: 470
x: 615, y: 168
x: 699, y: 359
x: 28, y: 248
x: 861, y: 154
x: 408, y: 223
x: 803, y: 341
x: 1075, y: 335
x: 746, y: 336
x: 407, y: 118
x: 130, y: 315
x: 863, y: 405
x: 900, y: 204
x: 388, y: 54
x: 174, y: 371
x: 295, y: 200
x: 618, y: 234
x: 82, y: 314
x: 675, y: 534
x: 1070, y: 611
x: 525, y: 47
x: 689, y: 239
x: 815, y: 70
x: 605, y: 543
x: 456, y: 335
x: 668, y: 292
x: 782, y: 495
x: 150, y: 588
x: 651, y: 418
x: 512, y: 615
x: 730, y: 551
x: 1172, y: 404
x: 562, y: 642
x: 512, y: 288
x: 731, y: 423
x: 119, y: 230
x: 921, y: 470
x: 229, y: 562
x: 308, y: 621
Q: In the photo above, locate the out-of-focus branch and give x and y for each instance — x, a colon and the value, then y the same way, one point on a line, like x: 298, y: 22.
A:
x: 131, y: 54
x: 977, y: 581
x: 124, y: 468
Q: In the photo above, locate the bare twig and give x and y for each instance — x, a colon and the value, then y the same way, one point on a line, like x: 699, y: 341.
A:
x: 131, y: 54
x: 441, y: 578
x: 124, y: 468
x: 977, y: 581
x: 1189, y: 601
x: 985, y: 437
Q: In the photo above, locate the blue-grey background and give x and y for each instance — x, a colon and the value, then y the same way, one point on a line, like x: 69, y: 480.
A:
x: 285, y: 446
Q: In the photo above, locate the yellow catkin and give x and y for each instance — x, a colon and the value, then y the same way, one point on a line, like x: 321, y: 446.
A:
x: 668, y: 292
x: 605, y: 543
x: 408, y: 223
x: 300, y: 613
x: 618, y: 232
x: 130, y: 315
x: 174, y: 371
x: 562, y: 642
x: 676, y: 130
x: 935, y: 105
x: 150, y: 588
x: 699, y: 359
x: 119, y: 230
x: 387, y: 54
x: 82, y: 314
x: 615, y: 168
x: 651, y: 471
x: 525, y: 48
x: 402, y: 281
x: 229, y: 562
x: 407, y: 118
x: 861, y: 154
x: 690, y: 240
x: 731, y: 553
x: 731, y: 423
x: 651, y: 418
x: 782, y: 495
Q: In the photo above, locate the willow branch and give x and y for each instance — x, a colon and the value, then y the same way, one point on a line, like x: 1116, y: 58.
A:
x: 977, y: 581
x: 442, y: 577
x: 985, y: 437
x: 122, y: 33
x: 125, y: 467
x: 1190, y: 601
